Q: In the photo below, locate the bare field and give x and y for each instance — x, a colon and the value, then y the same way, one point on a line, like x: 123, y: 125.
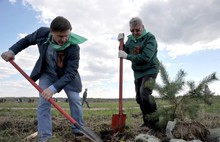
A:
x: 18, y: 120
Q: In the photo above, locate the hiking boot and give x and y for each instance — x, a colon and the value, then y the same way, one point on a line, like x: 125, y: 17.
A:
x: 151, y: 120
x: 152, y: 124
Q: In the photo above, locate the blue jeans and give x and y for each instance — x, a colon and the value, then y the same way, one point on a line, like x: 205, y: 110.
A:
x: 44, y: 108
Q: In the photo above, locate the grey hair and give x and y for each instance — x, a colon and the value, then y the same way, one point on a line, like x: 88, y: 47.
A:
x: 135, y: 21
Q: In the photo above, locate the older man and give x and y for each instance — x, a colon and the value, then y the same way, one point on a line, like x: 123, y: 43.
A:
x: 141, y: 50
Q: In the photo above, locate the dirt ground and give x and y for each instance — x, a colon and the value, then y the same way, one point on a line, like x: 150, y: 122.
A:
x: 19, y: 129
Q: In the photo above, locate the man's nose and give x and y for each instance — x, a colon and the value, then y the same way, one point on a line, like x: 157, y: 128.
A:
x: 64, y: 38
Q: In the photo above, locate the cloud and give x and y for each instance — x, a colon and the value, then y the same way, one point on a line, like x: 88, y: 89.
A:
x: 17, y: 88
x: 183, y: 22
x: 12, y: 1
x: 5, y: 70
x: 178, y: 49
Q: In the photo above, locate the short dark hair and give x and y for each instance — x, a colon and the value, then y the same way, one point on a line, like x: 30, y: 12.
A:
x: 60, y: 24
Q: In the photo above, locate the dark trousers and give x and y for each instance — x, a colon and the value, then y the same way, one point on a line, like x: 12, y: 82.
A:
x: 144, y: 87
x: 86, y: 103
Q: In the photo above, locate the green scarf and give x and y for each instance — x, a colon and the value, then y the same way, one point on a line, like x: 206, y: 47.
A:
x: 142, y: 34
x: 73, y: 39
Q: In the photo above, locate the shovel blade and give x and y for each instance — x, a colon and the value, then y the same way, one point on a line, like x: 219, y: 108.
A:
x: 92, y: 135
x: 89, y: 133
x: 118, y: 122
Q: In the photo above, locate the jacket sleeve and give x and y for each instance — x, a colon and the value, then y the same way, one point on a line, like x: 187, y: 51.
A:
x: 30, y: 39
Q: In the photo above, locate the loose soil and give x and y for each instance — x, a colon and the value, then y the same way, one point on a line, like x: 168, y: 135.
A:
x: 22, y: 128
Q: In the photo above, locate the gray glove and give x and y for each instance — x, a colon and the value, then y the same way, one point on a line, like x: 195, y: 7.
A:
x: 120, y: 36
x: 122, y: 54
x: 8, y: 55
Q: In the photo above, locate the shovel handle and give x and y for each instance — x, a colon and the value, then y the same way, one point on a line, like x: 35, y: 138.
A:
x: 89, y: 135
x: 41, y: 90
x: 120, y: 77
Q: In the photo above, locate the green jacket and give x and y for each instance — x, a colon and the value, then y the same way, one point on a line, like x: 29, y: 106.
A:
x: 142, y: 52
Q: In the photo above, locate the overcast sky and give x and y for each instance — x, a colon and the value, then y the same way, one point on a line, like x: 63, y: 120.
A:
x: 187, y: 32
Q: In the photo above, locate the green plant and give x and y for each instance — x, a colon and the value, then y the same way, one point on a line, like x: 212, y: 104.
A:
x: 184, y: 106
x: 196, y: 91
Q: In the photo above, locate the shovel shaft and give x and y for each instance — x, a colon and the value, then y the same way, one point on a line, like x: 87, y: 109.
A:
x: 90, y: 136
x: 41, y: 90
x: 118, y: 120
x: 121, y: 78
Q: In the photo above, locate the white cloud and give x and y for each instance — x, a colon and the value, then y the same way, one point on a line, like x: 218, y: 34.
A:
x: 179, y: 49
x: 12, y: 1
x: 184, y: 22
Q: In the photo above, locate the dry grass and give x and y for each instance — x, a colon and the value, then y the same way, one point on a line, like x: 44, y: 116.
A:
x: 17, y: 124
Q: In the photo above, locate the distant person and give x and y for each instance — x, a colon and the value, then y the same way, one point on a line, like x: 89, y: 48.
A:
x: 2, y: 100
x: 56, y: 69
x: 66, y: 100
x: 19, y: 100
x: 30, y: 100
x: 141, y: 49
x: 55, y: 99
x: 85, y: 98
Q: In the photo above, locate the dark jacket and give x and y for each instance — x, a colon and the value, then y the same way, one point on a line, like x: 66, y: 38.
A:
x: 67, y: 74
x: 142, y: 52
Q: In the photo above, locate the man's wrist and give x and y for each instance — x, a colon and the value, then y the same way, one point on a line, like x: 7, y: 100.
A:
x: 53, y: 89
x: 11, y: 52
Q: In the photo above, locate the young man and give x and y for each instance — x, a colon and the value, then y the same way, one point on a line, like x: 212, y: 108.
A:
x: 141, y: 50
x: 56, y: 69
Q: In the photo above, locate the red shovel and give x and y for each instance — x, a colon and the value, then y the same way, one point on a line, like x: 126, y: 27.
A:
x: 118, y: 120
x: 88, y: 132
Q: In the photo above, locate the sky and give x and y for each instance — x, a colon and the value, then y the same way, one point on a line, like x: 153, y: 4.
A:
x: 187, y: 32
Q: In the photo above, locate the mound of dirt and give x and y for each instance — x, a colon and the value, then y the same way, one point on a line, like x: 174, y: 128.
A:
x: 190, y: 131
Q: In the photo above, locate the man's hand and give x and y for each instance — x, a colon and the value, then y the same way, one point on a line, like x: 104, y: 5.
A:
x: 8, y: 55
x: 120, y: 36
x: 47, y: 94
x: 122, y: 54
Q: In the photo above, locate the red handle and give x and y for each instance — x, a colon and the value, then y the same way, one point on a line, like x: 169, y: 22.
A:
x: 120, y: 77
x: 40, y: 90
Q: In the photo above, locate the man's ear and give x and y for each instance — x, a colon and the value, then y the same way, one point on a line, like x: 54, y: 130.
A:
x: 51, y: 32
